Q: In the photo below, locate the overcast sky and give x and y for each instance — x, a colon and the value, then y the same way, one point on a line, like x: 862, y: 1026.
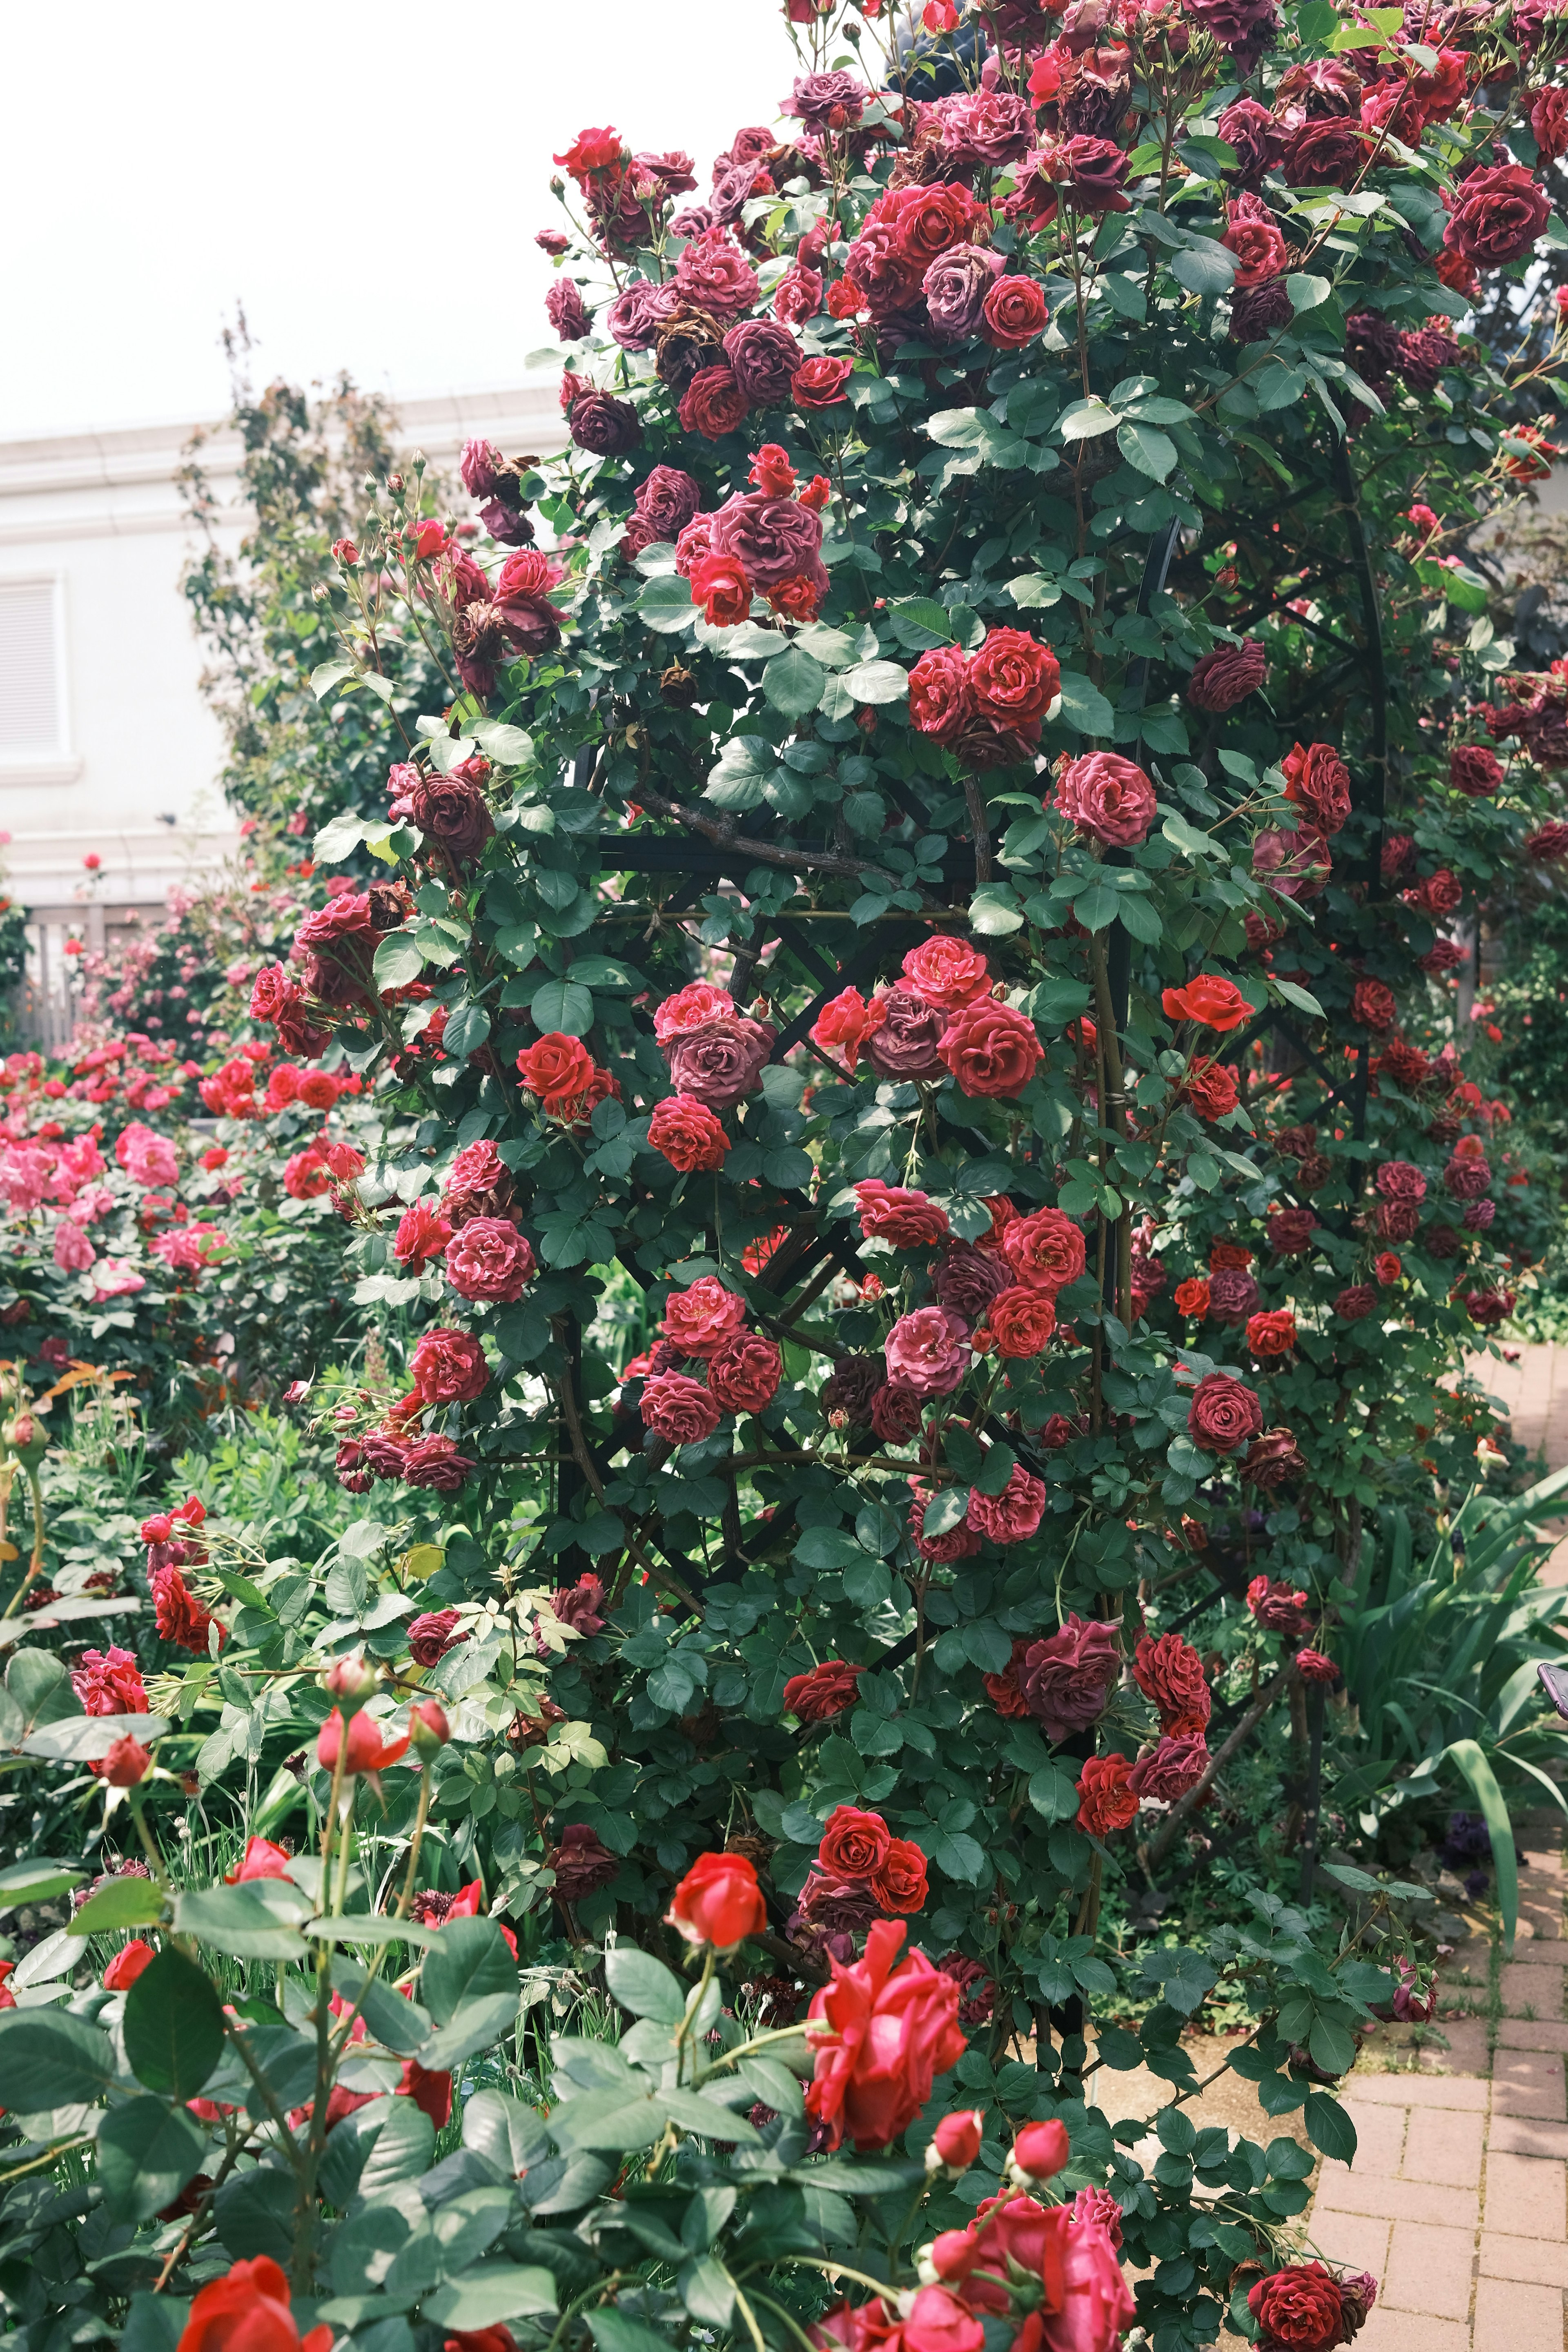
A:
x: 367, y: 181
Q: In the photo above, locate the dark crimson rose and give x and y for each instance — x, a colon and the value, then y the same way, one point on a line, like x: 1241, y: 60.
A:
x: 1488, y: 1308
x: 1401, y: 1180
x: 1271, y: 1458
x: 1318, y: 781
x: 432, y: 1635
x: 966, y: 1281
x: 382, y: 1454
x: 1299, y: 2308
x: 604, y: 427
x: 1466, y: 1177
x: 721, y: 1062
x: 825, y: 1692
x: 819, y: 383
x: 1224, y: 1414
x: 1260, y: 311
x: 881, y: 2034
x: 581, y: 1863
x: 1548, y: 844
x: 745, y: 1372
x: 904, y: 1043
x: 775, y: 539
x: 1423, y: 355
x: 1014, y: 312
x: 1279, y: 1607
x: 719, y: 1902
x: 1244, y: 28
x: 564, y: 309
x: 713, y: 402
x: 850, y: 1388
x: 762, y: 356
x: 1066, y: 1678
x: 1258, y: 139
x: 451, y: 812
x: 578, y: 1606
x: 1170, y: 1673
x: 827, y: 101
x: 1228, y: 676
x: 1252, y: 234
x: 1498, y: 213
x: 1373, y: 1004
x: 1290, y: 1231
x: 434, y: 1461
x: 955, y: 286
x: 1211, y: 1088
x: 1177, y: 1764
x: 522, y: 593
x: 1326, y: 154
x: 1474, y: 771
x: 1397, y: 1220
x: 713, y: 273
x: 896, y: 1414
x: 941, y: 703
x: 448, y: 1367
x: 506, y: 524
x: 339, y: 943
x: 1092, y: 174
x: 1358, y: 1299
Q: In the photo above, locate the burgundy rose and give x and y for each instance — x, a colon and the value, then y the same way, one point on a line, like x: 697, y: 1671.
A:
x: 721, y: 1062
x: 851, y: 1386
x: 579, y: 1606
x: 895, y: 1413
x: 1400, y: 1179
x: 1397, y: 1220
x: 1423, y: 355
x: 1257, y: 139
x: 1271, y: 1458
x: 431, y: 1635
x: 1232, y: 1294
x: 774, y: 539
x: 1326, y: 154
x: 1474, y: 771
x: 434, y: 1461
x: 825, y: 1692
x: 1498, y: 213
x: 636, y: 314
x: 581, y: 1863
x: 1094, y: 172
x: 604, y: 427
x: 1172, y: 1768
x: 1224, y: 1414
x: 762, y: 356
x: 959, y: 1542
x: 1479, y: 1215
x: 480, y: 467
x: 1466, y: 1178
x: 714, y: 274
x: 1372, y: 347
x: 1243, y: 28
x: 384, y: 1453
x: 1228, y: 676
x: 564, y: 309
x: 1066, y: 1678
x: 799, y: 295
x: 451, y: 812
x: 905, y: 1045
x: 955, y: 286
x: 339, y: 943
x: 1358, y: 1299
x: 505, y: 524
x: 966, y: 1280
x: 1259, y: 311
x: 1290, y: 1231
x: 824, y: 102
x: 713, y: 404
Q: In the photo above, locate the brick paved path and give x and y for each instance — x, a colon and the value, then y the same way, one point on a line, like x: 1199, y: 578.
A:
x: 1458, y: 2200
x: 1534, y: 1392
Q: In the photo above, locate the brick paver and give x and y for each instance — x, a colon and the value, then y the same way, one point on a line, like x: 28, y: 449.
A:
x: 1458, y: 2200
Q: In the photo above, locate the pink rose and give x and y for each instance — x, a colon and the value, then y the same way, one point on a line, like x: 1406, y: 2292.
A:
x: 678, y: 1408
x: 1108, y: 798
x: 928, y: 1351
x: 721, y: 1062
x: 490, y: 1259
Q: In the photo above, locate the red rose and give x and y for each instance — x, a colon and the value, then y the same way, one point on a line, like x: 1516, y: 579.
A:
x: 1211, y: 1088
x: 1277, y: 1607
x: 1228, y: 676
x: 745, y: 1373
x: 929, y: 219
x: 698, y: 1322
x: 1045, y: 1250
x: 1254, y: 239
x: 1013, y: 680
x: 719, y: 584
x: 854, y: 1845
x: 1318, y: 781
x: 819, y: 383
x: 844, y: 1024
x: 252, y: 2306
x: 555, y: 1065
x: 939, y: 700
x: 125, y: 1966
x: 881, y: 2034
x: 1273, y: 1334
x: 490, y: 1259
x: 827, y: 1690
x: 990, y: 1050
x: 891, y: 1212
x: 1498, y: 213
x: 1473, y: 769
x: 900, y: 1884
x: 1067, y: 1677
x: 1014, y: 1515
x: 687, y: 1132
x: 678, y: 1408
x: 1290, y: 1231
x: 1549, y: 123
x: 1271, y: 1458
x: 1372, y: 1005
x: 713, y: 402
x: 1170, y: 1673
x: 1224, y: 1414
x: 1301, y: 2307
x: 1209, y: 1000
x: 448, y: 1367
x: 1438, y: 894
x: 1107, y: 797
x: 1400, y: 1179
x: 717, y: 1901
x: 1105, y: 1800
x: 1021, y: 1320
x: 1014, y: 312
x: 1192, y: 1299
x: 946, y: 973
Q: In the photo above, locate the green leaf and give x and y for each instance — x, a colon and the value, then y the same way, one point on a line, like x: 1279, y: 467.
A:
x: 921, y: 622
x: 124, y: 1903
x: 147, y: 2151
x: 644, y: 1985
x: 1086, y: 418
x: 509, y: 746
x: 995, y: 911
x: 244, y: 1921
x: 154, y: 2323
x: 49, y: 2059
x: 562, y: 1008
x: 708, y: 2290
x: 793, y: 682
x: 174, y: 2026
x: 1084, y: 707
x: 955, y: 429
x: 665, y: 604
x: 1328, y: 2128
x: 1302, y: 998
x: 397, y: 961
x: 617, y: 2331
x: 255, y: 2212
x: 615, y: 2120
x: 469, y: 1961
x: 323, y: 679
x: 1473, y: 1763
x: 34, y: 1881
x: 1205, y: 269
x: 1054, y: 1794
x: 745, y: 765
x: 493, y: 2294
x: 1149, y: 450
x: 511, y: 2136
x: 877, y: 682
x: 1307, y: 292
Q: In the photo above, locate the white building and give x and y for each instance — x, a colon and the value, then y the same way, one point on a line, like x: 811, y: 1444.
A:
x: 107, y: 747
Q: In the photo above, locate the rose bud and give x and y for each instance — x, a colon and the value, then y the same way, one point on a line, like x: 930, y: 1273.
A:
x: 428, y: 1728
x: 955, y: 2143
x: 366, y: 1750
x: 717, y: 1901
x: 158, y: 1529
x: 1039, y: 2150
x: 126, y: 1763
x: 349, y: 1678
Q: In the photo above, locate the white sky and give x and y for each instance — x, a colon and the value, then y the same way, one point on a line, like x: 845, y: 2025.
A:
x: 367, y: 181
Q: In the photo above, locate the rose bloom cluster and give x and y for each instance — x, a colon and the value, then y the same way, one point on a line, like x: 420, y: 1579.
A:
x: 940, y: 1019
x: 736, y: 1369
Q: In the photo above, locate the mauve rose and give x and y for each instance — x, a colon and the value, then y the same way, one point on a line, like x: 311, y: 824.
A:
x: 480, y: 466
x: 1271, y: 1458
x: 665, y: 502
x: 985, y: 126
x: 1498, y: 213
x: 928, y: 1351
x: 1466, y: 1178
x: 450, y: 811
x: 799, y: 295
x: 762, y: 356
x: 1067, y: 1679
x: 1479, y: 1215
x: 1107, y: 797
x: 896, y: 1414
x: 905, y: 1044
x: 1171, y: 1769
x: 775, y: 539
x: 1474, y: 771
x: 955, y: 286
x: 827, y: 101
x: 1257, y: 137
x: 745, y: 1373
x: 1224, y: 1414
x: 850, y: 1387
x: 604, y: 427
x: 678, y: 1408
x: 714, y: 274
x: 505, y: 524
x: 1244, y: 28
x: 1260, y: 311
x: 721, y: 1062
x: 1170, y: 1673
x: 1401, y: 1180
x: 1293, y: 865
x: 490, y: 1259
x: 1014, y: 1515
x: 1228, y: 676
x: 383, y: 1454
x: 638, y: 312
x: 966, y: 1280
x: 564, y: 309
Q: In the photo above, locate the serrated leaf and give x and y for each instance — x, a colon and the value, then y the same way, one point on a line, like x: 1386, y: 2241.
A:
x: 1207, y: 268
x: 1084, y: 707
x: 876, y: 682
x: 793, y: 682
x: 1149, y: 450
x: 561, y: 1007
x: 1085, y: 419
x: 397, y: 961
x: 665, y: 604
